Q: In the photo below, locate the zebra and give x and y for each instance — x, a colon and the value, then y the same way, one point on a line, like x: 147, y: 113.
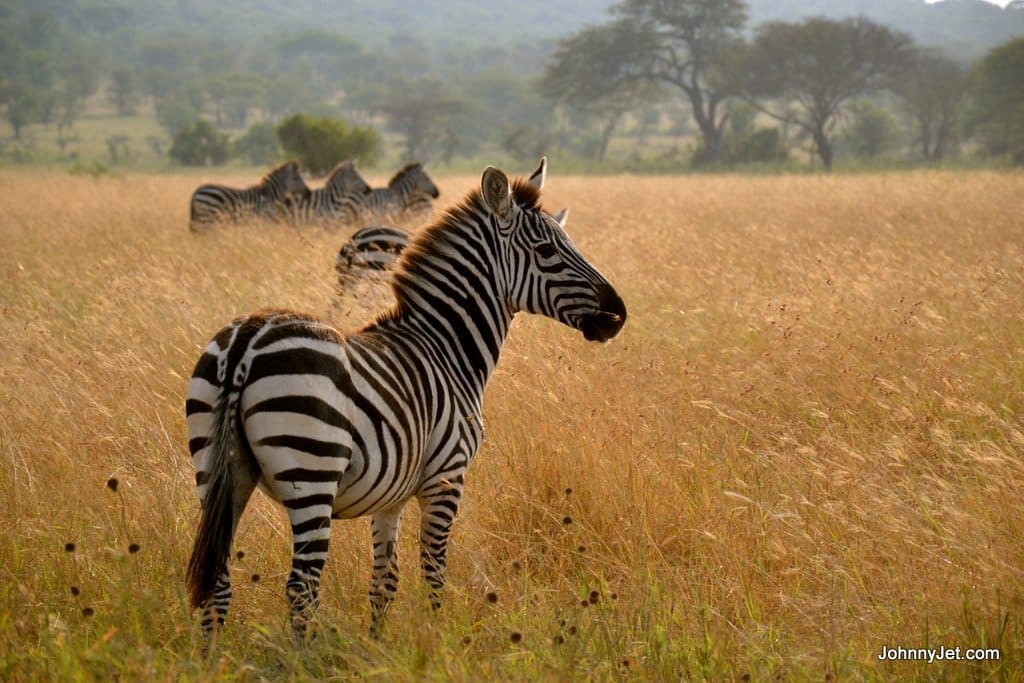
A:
x: 213, y: 203
x: 337, y: 426
x: 327, y: 202
x: 372, y: 249
x: 409, y: 193
x: 375, y: 249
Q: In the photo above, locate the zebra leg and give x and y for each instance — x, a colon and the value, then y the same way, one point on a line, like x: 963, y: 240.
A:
x: 311, y: 531
x: 384, y: 584
x: 438, y: 508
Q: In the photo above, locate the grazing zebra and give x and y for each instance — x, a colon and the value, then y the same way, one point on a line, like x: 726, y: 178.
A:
x: 213, y: 203
x: 325, y: 204
x: 340, y: 426
x: 375, y: 249
x: 410, y: 193
x: 372, y: 249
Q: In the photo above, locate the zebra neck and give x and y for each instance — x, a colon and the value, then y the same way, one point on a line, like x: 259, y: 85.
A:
x: 466, y: 337
x: 449, y: 294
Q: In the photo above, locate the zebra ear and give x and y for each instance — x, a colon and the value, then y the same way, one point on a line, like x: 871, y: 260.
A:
x: 537, y: 177
x: 496, y: 192
x: 562, y: 216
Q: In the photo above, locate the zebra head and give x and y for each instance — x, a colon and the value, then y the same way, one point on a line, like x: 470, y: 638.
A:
x: 413, y: 177
x: 285, y: 180
x: 345, y: 179
x: 545, y: 272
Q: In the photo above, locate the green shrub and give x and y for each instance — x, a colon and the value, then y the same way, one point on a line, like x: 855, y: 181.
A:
x: 320, y: 143
x: 259, y: 144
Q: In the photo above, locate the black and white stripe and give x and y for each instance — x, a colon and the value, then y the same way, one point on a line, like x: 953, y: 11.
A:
x: 215, y: 203
x: 326, y: 205
x: 339, y: 426
x: 372, y: 252
x: 408, y: 196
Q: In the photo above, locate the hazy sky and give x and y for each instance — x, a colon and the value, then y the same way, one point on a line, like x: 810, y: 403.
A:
x: 1001, y: 3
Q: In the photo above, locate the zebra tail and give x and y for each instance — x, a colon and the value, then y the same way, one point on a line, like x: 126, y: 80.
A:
x: 216, y: 523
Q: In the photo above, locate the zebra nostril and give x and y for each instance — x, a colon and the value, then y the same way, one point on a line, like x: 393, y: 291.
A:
x: 610, y: 303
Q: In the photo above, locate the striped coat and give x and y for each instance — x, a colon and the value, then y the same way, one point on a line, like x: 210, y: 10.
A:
x: 337, y: 426
x: 326, y: 205
x: 216, y: 203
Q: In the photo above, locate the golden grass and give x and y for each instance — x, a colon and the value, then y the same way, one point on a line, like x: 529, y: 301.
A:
x: 807, y: 443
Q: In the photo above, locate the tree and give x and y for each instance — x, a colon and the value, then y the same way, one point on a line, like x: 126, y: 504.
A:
x: 997, y: 110
x: 233, y: 94
x: 24, y: 104
x: 175, y: 112
x: 124, y: 90
x: 872, y: 130
x: 320, y: 143
x: 575, y: 76
x: 421, y: 113
x: 687, y: 45
x: 79, y: 78
x: 199, y: 144
x: 821, y: 65
x: 259, y: 144
x: 932, y: 92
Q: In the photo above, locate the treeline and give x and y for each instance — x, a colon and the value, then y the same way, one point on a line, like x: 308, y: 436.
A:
x: 657, y: 85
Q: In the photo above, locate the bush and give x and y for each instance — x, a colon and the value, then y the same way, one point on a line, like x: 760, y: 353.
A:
x: 763, y: 145
x: 320, y: 143
x: 259, y: 145
x: 872, y: 132
x: 199, y: 144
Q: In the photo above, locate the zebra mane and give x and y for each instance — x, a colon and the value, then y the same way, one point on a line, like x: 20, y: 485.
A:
x: 405, y: 170
x: 279, y: 168
x: 433, y: 241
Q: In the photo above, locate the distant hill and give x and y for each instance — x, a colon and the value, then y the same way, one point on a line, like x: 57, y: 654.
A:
x: 966, y: 29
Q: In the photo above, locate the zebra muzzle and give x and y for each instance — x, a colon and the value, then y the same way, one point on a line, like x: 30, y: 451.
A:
x: 608, y: 320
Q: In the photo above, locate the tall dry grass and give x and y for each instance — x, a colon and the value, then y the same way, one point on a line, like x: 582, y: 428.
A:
x: 806, y: 444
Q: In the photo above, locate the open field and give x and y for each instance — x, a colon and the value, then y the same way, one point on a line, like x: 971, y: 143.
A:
x: 806, y: 445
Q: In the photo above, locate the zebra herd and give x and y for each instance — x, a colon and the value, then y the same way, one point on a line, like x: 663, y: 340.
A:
x: 345, y: 199
x: 337, y: 426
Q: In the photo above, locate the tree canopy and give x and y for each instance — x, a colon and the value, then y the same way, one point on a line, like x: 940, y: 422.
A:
x: 819, y: 65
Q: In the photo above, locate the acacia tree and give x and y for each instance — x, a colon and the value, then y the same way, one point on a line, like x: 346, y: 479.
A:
x: 997, y: 107
x: 932, y: 91
x: 575, y: 77
x: 821, y: 65
x: 422, y: 114
x: 687, y: 45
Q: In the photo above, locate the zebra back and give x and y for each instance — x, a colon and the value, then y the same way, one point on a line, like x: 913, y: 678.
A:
x: 409, y: 195
x: 213, y: 203
x: 327, y: 205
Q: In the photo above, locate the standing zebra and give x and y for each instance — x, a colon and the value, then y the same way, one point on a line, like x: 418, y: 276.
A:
x: 339, y: 426
x: 213, y: 203
x: 325, y: 204
x: 410, y: 193
x: 375, y: 249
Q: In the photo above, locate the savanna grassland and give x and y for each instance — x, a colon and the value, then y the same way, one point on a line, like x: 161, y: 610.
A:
x: 806, y: 444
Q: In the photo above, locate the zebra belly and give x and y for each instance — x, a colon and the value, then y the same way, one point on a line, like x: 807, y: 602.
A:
x: 365, y: 488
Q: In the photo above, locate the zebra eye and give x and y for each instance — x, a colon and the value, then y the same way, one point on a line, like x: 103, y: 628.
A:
x: 545, y: 250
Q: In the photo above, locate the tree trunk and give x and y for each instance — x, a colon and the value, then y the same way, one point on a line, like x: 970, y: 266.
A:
x: 712, y: 136
x: 926, y: 138
x: 606, y: 134
x: 824, y: 146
